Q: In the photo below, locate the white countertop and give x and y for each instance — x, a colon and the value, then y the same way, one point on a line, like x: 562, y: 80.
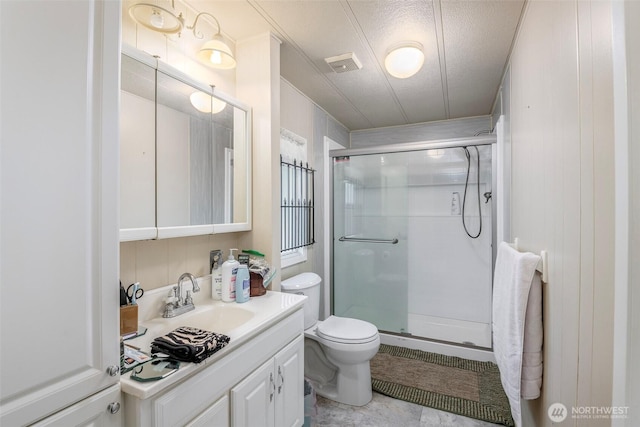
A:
x: 265, y: 311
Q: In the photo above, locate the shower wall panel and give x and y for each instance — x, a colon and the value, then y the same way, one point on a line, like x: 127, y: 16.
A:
x: 449, y: 273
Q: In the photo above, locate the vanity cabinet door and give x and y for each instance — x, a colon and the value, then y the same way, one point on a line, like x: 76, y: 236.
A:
x: 289, y: 410
x: 253, y: 399
x: 216, y: 415
x: 273, y: 394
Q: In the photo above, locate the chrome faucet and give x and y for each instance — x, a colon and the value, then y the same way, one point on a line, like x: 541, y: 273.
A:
x: 179, y: 306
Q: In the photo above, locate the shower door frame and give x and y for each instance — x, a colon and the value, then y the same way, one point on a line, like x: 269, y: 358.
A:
x: 481, y: 140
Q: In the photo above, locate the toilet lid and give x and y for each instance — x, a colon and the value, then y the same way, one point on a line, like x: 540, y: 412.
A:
x: 346, y: 330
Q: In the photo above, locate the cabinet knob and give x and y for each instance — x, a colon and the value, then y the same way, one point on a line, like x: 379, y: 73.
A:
x: 113, y: 407
x: 113, y: 370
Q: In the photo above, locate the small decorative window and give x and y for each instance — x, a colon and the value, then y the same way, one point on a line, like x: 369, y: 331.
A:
x: 297, y: 199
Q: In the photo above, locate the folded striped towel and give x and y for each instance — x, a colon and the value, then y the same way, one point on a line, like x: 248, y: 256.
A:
x: 189, y: 344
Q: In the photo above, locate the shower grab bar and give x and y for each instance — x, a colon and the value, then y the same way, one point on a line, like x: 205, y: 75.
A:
x: 367, y: 240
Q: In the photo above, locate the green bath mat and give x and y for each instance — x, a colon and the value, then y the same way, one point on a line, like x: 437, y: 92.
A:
x: 460, y: 386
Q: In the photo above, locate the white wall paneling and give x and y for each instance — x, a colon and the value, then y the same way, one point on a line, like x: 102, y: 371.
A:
x: 444, y: 129
x: 557, y: 103
x: 258, y: 84
x: 626, y: 34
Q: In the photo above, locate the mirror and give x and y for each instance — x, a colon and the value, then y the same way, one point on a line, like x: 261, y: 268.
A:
x: 137, y: 149
x: 198, y: 179
x: 155, y: 370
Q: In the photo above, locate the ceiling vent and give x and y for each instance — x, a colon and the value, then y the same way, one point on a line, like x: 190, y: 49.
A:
x: 344, y: 63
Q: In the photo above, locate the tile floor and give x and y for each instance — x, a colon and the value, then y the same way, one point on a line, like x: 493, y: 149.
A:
x: 385, y: 411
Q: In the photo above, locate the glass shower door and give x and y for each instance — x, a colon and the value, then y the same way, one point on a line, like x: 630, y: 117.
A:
x: 413, y: 241
x: 370, y: 260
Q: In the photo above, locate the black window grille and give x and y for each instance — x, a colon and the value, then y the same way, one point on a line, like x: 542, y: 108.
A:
x: 297, y: 205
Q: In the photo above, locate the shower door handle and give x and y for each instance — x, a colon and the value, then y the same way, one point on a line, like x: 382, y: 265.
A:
x: 367, y: 240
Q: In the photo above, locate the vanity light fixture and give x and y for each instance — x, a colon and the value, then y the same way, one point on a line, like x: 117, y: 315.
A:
x: 157, y: 18
x: 206, y: 103
x: 216, y: 52
x: 404, y: 60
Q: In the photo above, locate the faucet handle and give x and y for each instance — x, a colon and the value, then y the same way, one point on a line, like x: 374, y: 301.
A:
x: 177, y: 296
x: 171, y: 296
x: 168, y: 310
x: 169, y: 305
x: 188, y: 299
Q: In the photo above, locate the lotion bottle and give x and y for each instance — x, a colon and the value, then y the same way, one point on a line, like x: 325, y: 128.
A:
x: 229, y: 271
x: 243, y: 286
x: 215, y: 260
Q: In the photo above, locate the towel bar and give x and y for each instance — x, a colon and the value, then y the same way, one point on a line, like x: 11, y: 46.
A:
x: 542, y: 266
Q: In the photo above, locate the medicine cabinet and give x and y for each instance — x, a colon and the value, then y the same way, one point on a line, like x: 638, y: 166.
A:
x: 185, y: 160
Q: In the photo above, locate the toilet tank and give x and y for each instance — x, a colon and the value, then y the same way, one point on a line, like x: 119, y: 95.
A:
x: 307, y: 284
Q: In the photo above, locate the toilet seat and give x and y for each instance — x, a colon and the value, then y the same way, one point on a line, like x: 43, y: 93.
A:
x: 347, y: 331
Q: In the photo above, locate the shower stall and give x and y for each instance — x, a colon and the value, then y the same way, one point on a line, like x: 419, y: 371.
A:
x: 414, y: 238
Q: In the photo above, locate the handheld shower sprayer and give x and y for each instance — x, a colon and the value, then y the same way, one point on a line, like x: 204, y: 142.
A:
x: 466, y: 185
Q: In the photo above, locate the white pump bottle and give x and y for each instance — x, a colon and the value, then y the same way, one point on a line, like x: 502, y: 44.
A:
x: 229, y: 270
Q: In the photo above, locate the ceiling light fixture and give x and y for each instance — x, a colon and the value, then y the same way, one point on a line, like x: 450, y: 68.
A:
x: 216, y: 52
x: 206, y: 103
x: 436, y: 154
x: 157, y: 18
x: 404, y: 60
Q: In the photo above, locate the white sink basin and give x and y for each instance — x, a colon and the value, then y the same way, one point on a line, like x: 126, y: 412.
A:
x: 215, y: 318
x: 218, y: 318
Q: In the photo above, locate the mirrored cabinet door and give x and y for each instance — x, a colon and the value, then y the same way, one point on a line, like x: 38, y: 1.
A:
x: 184, y: 157
x: 137, y: 150
x: 238, y: 175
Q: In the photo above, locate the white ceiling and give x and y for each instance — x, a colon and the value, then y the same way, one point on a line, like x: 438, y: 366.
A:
x: 466, y: 42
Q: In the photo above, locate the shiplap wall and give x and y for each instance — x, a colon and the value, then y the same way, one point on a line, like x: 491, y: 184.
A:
x: 627, y: 107
x: 633, y: 69
x: 302, y: 116
x: 558, y: 99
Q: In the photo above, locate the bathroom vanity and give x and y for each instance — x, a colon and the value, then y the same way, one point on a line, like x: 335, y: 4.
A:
x: 256, y: 379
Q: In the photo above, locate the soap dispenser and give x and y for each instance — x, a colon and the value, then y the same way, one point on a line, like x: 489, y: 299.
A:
x: 229, y: 271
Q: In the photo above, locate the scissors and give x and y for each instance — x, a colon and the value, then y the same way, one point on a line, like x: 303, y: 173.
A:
x: 134, y: 292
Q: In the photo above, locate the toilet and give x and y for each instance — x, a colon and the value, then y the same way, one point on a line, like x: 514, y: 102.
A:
x: 337, y: 350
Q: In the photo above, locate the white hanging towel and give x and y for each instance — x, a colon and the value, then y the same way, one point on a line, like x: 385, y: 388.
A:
x: 517, y: 326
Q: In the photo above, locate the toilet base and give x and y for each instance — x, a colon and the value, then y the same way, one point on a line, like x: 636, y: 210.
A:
x: 338, y: 371
x: 347, y: 390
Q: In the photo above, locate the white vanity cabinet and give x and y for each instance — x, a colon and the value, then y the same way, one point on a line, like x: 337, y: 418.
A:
x: 59, y: 231
x: 269, y: 397
x: 221, y: 390
x: 217, y: 415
